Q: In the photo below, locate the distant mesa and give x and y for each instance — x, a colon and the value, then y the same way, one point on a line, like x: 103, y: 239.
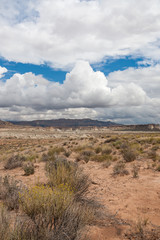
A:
x: 80, y: 123
x: 66, y: 123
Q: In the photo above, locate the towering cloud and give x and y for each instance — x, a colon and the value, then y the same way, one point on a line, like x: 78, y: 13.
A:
x: 82, y: 88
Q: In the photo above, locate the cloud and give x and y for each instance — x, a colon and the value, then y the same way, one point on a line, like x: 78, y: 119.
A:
x: 64, y: 31
x: 84, y: 94
x: 147, y: 78
x: 82, y: 88
x: 2, y: 71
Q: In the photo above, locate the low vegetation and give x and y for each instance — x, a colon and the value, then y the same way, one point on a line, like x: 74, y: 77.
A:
x: 119, y: 169
x: 28, y: 168
x: 59, y: 208
x: 14, y: 162
x: 9, y: 192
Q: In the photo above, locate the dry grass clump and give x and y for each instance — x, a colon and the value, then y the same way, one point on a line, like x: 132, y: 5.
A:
x: 106, y: 164
x: 65, y: 172
x: 142, y: 232
x: 14, y: 162
x: 112, y: 139
x: 106, y: 151
x: 98, y: 149
x: 9, y: 192
x: 52, y: 154
x: 102, y: 158
x: 158, y: 168
x: 85, y: 155
x: 129, y: 154
x: 152, y: 155
x: 4, y: 224
x: 66, y: 226
x: 28, y: 168
x: 119, y: 169
x: 135, y: 171
x: 67, y: 153
x: 47, y: 203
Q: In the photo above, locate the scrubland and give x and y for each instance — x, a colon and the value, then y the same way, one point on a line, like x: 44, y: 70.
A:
x: 81, y: 184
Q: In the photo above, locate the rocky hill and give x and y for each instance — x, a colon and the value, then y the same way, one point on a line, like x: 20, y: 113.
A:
x: 5, y: 124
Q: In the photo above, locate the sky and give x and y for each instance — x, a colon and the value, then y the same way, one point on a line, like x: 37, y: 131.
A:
x: 97, y: 59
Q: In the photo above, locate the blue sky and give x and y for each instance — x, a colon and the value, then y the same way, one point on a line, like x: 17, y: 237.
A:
x: 58, y: 75
x: 80, y: 59
x: 43, y: 69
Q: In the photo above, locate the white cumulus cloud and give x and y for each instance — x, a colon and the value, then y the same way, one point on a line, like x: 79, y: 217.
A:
x: 3, y: 70
x: 82, y: 88
x: 64, y: 31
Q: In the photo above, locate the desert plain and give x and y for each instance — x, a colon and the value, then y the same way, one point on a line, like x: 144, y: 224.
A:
x: 122, y: 168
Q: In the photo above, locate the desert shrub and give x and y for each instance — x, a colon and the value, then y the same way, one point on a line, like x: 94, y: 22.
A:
x: 54, y: 213
x: 14, y: 162
x: 24, y: 230
x: 82, y: 158
x: 101, y: 158
x: 45, y: 201
x: 112, y: 139
x: 55, y: 150
x: 106, y: 164
x: 124, y: 145
x: 31, y: 158
x: 119, y: 169
x: 74, y: 219
x: 152, y: 155
x: 44, y: 157
x: 129, y: 155
x: 52, y: 153
x: 85, y: 155
x: 135, y: 171
x: 155, y: 148
x: 141, y: 232
x: 28, y: 168
x: 106, y: 151
x: 9, y: 192
x: 98, y: 150
x: 67, y: 153
x: 65, y: 172
x: 4, y: 224
x: 158, y: 168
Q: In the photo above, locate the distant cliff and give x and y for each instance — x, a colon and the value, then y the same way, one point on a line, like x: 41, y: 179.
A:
x: 140, y: 127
